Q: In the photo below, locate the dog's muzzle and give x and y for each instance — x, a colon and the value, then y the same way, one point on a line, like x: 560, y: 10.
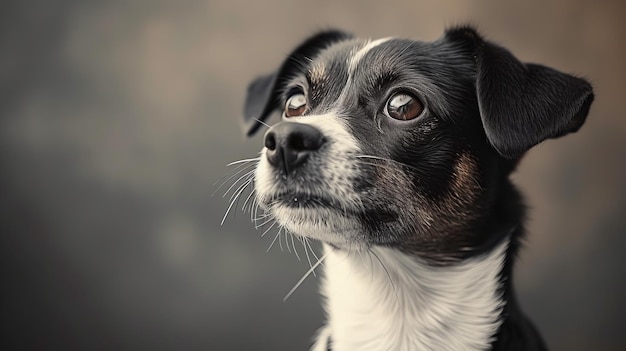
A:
x: 290, y: 144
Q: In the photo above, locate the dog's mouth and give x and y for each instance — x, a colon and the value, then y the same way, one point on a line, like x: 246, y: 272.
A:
x: 304, y: 200
x: 314, y: 203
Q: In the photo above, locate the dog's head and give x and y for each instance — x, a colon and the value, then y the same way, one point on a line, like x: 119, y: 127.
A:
x: 402, y: 143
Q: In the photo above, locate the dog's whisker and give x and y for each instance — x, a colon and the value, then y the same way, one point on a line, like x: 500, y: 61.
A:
x: 246, y: 181
x: 254, y: 214
x: 243, y: 161
x: 387, y: 160
x: 265, y: 220
x: 261, y: 122
x: 269, y: 219
x: 380, y: 158
x: 253, y: 209
x: 280, y: 242
x: 236, y: 197
x: 269, y: 228
x: 232, y: 173
x: 235, y: 172
x: 305, y: 276
x: 393, y: 287
x: 262, y: 216
x: 308, y: 258
x: 311, y: 248
x: 293, y: 244
x: 273, y: 241
x: 233, y: 202
x: 245, y: 178
x: 287, y: 242
x: 384, y: 166
x: 381, y: 165
x: 243, y: 208
x: 371, y: 270
x: 255, y: 219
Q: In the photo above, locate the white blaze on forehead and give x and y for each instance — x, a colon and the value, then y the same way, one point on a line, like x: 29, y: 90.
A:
x: 356, y: 58
x: 354, y: 61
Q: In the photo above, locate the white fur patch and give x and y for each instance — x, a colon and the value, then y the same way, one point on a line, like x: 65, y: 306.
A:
x: 408, y: 305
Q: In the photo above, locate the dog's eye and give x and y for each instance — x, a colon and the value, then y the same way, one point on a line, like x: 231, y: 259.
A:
x: 404, y: 107
x: 296, y: 105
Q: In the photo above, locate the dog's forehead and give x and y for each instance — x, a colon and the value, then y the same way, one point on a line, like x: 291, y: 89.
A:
x: 350, y: 66
x: 345, y: 57
x: 365, y: 63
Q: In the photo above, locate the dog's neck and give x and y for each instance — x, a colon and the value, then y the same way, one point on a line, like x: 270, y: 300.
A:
x: 387, y: 300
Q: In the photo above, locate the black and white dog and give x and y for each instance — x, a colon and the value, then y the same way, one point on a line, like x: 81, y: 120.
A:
x: 396, y: 154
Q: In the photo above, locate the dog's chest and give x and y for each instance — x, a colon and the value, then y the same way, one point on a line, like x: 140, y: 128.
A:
x: 384, y: 300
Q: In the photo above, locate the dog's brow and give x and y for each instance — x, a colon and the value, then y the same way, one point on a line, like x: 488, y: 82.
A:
x: 385, y: 78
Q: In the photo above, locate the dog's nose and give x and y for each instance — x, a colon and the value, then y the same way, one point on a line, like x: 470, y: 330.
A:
x: 289, y: 144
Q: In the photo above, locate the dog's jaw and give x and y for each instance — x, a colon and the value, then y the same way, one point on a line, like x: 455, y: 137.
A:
x: 386, y: 300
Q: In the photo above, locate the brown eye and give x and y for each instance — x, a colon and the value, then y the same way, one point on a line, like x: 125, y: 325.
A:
x: 404, y: 107
x: 296, y: 105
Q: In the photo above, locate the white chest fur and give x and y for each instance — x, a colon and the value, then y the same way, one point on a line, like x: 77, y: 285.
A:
x: 408, y: 305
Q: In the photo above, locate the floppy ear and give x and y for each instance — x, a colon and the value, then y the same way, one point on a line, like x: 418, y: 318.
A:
x: 264, y: 92
x: 522, y: 104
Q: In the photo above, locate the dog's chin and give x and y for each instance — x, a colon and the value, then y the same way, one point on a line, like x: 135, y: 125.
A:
x: 320, y: 219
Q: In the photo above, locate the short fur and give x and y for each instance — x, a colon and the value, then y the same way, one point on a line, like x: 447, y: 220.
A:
x: 420, y: 221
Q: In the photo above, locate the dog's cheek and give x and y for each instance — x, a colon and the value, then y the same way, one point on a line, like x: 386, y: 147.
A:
x: 453, y: 214
x: 429, y: 150
x: 461, y: 202
x: 395, y: 210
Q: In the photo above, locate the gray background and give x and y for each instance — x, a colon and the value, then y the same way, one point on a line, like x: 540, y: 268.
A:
x: 118, y: 117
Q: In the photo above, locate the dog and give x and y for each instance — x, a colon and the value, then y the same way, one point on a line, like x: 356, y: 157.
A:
x: 396, y: 155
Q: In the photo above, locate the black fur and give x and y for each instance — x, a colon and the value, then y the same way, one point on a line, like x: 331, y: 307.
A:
x: 263, y: 92
x: 523, y: 104
x: 484, y: 110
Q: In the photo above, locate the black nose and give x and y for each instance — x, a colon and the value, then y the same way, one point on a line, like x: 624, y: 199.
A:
x: 289, y: 144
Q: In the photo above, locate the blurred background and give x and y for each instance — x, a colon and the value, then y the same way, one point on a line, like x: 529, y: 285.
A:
x: 117, y: 119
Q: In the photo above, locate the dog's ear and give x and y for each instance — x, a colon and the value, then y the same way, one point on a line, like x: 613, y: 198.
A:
x: 522, y: 104
x: 264, y: 92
